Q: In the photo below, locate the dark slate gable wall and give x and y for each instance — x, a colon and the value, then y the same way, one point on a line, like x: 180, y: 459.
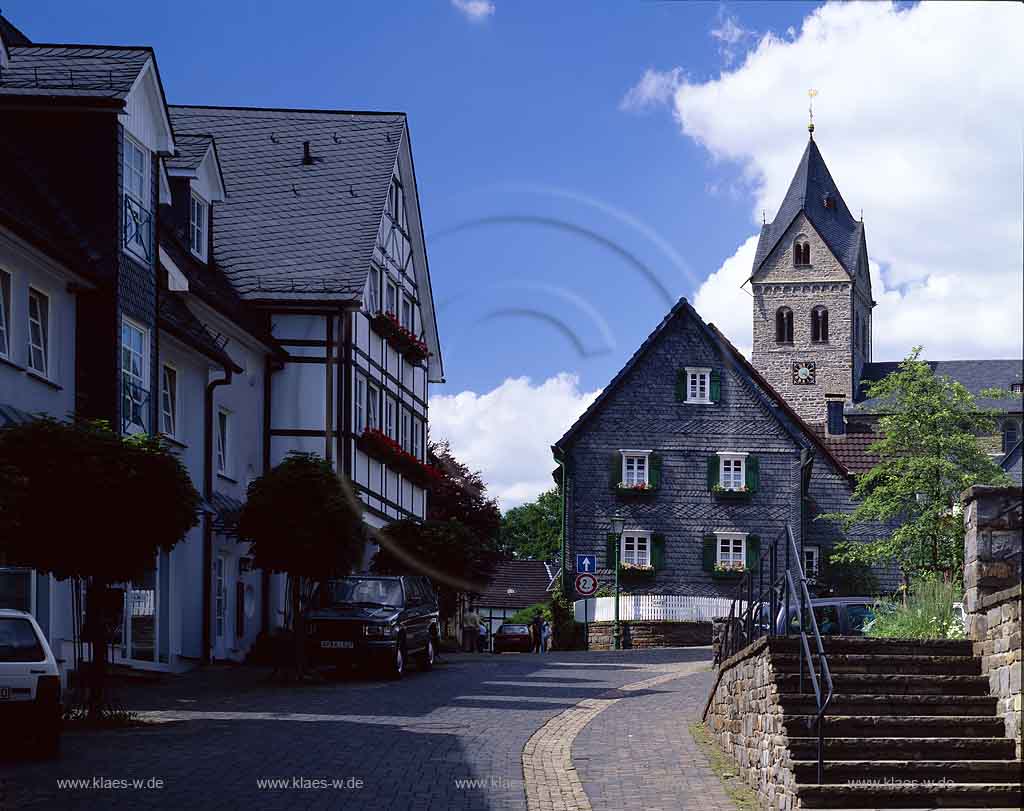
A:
x: 642, y: 413
x: 80, y: 156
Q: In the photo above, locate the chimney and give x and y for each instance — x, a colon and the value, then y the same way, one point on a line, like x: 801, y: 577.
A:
x: 835, y: 425
x: 307, y: 157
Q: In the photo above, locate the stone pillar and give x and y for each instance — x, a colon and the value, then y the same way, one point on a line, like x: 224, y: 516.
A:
x: 992, y: 546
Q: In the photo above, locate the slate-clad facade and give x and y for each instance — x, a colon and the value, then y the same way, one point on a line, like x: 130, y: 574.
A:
x: 700, y: 522
x: 239, y: 281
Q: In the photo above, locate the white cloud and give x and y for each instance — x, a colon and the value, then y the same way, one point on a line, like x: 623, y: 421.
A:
x: 654, y: 89
x: 721, y: 301
x: 730, y: 34
x: 475, y: 10
x: 918, y: 117
x: 506, y: 433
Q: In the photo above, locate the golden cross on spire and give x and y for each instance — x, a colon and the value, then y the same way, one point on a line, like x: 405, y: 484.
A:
x: 810, y: 110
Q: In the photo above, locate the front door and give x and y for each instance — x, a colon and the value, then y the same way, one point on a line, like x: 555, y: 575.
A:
x: 220, y: 607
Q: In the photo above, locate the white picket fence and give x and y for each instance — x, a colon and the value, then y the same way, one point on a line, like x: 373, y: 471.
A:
x: 666, y: 607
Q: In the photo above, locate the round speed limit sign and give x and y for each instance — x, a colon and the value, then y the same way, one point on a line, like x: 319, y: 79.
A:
x: 586, y: 584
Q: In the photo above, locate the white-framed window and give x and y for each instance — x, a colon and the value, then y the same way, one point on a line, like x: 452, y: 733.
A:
x: 731, y: 550
x: 373, y: 297
x: 5, y: 314
x: 391, y: 297
x: 359, y: 404
x: 223, y: 442
x: 136, y: 171
x: 732, y: 470
x: 635, y: 549
x: 390, y: 426
x: 396, y: 203
x: 38, y: 332
x: 198, y: 223
x: 636, y: 467
x: 169, y: 400
x: 811, y: 557
x: 220, y: 590
x: 372, y: 407
x: 698, y: 385
x: 407, y: 313
x: 417, y: 437
x: 405, y: 435
x: 134, y: 376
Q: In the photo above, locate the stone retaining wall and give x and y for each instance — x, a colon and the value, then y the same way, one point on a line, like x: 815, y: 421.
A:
x: 992, y: 575
x: 642, y: 634
x: 745, y: 717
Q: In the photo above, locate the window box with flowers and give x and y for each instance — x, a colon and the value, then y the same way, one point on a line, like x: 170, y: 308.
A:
x: 380, y: 446
x: 636, y: 571
x: 400, y: 337
x: 635, y: 473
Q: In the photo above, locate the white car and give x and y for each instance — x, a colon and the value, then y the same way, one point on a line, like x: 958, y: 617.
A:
x: 29, y: 683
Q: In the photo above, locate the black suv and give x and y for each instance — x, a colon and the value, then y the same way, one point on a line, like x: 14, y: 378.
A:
x: 369, y: 620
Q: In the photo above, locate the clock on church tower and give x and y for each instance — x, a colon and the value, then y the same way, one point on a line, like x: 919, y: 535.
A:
x: 804, y: 373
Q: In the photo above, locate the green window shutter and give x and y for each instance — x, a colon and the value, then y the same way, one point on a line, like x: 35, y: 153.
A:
x: 712, y: 472
x: 753, y: 474
x: 681, y: 386
x: 753, y: 551
x: 710, y: 552
x: 654, y: 477
x: 616, y: 470
x: 716, y: 386
x: 609, y: 551
x: 658, y: 551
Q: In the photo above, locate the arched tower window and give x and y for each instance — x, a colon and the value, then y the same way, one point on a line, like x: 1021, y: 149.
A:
x: 801, y: 251
x: 819, y: 325
x: 784, y: 325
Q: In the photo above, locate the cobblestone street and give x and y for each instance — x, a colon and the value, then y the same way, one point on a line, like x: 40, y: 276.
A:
x: 449, y: 739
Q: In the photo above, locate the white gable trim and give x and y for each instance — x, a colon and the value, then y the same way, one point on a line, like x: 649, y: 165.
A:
x: 435, y: 364
x: 206, y: 177
x: 176, y: 280
x: 145, y: 115
x: 165, y: 186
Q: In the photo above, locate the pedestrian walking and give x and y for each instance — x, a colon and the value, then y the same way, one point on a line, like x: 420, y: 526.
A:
x: 470, y: 631
x: 537, y: 629
x: 545, y: 636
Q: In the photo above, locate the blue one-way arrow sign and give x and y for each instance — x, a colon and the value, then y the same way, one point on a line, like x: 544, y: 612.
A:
x: 586, y: 563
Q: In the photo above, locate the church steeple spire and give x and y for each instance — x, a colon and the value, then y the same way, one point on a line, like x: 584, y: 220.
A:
x: 810, y: 112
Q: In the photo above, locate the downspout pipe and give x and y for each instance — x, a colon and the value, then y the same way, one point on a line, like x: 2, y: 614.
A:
x: 207, y: 516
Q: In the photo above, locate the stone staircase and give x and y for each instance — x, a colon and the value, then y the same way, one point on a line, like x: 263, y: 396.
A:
x: 911, y: 725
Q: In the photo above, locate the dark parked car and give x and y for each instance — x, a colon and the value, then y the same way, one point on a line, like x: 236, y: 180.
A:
x: 513, y: 637
x: 379, y: 621
x: 845, y: 616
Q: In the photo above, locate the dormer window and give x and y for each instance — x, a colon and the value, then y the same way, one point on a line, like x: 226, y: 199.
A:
x: 138, y: 219
x: 136, y: 171
x: 198, y: 223
x: 784, y: 325
x: 801, y: 252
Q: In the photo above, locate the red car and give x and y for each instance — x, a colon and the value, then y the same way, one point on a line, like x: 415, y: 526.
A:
x: 513, y: 637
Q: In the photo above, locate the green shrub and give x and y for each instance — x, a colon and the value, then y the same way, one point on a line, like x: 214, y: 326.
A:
x: 524, y: 616
x: 928, y: 614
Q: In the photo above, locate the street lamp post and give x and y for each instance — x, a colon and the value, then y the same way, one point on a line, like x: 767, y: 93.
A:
x: 618, y: 522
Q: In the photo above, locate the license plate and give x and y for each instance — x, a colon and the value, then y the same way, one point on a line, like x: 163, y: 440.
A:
x: 5, y: 693
x: 333, y: 643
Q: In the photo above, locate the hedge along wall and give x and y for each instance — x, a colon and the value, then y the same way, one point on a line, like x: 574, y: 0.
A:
x: 745, y: 717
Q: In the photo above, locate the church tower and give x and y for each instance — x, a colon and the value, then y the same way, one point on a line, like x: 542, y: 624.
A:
x: 812, y: 296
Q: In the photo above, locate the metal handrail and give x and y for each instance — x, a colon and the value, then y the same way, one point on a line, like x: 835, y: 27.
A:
x: 746, y: 623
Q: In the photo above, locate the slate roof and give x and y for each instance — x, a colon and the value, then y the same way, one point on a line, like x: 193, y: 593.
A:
x: 86, y: 71
x: 227, y: 510
x: 975, y: 375
x: 528, y: 581
x: 289, y: 231
x: 11, y: 34
x: 180, y: 321
x: 812, y: 182
x: 852, y: 447
x: 191, y: 149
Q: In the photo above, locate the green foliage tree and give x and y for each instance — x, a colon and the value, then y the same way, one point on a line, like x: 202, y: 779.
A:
x: 533, y: 531
x: 303, y: 521
x: 448, y: 552
x: 930, y: 452
x: 121, y: 501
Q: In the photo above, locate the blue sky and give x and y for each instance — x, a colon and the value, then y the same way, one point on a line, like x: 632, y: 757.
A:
x: 582, y: 165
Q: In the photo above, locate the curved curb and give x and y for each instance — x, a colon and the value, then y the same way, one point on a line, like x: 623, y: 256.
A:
x: 549, y: 777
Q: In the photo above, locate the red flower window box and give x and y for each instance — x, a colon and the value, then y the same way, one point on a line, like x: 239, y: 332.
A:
x: 405, y: 341
x: 380, y: 446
